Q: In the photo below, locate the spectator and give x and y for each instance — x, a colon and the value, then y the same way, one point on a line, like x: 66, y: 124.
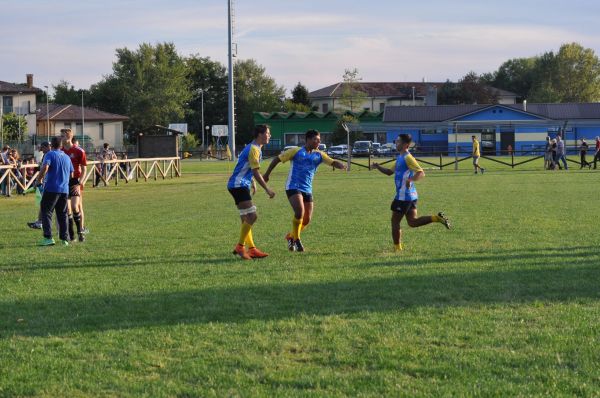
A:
x: 554, y: 158
x: 582, y: 152
x: 4, y: 162
x: 560, y: 152
x: 44, y: 148
x: 548, y: 160
x: 597, y: 154
x: 58, y: 169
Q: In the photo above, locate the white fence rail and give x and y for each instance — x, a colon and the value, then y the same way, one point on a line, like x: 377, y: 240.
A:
x: 97, y: 172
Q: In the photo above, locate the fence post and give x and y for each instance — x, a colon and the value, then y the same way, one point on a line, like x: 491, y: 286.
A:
x: 440, y: 160
x: 512, y: 159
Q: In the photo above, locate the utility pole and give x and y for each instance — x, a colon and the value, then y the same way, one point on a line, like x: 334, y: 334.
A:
x: 82, y: 123
x: 47, y: 117
x: 230, y: 83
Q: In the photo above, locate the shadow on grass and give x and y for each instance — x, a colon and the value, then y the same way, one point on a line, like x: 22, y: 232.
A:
x: 551, y: 283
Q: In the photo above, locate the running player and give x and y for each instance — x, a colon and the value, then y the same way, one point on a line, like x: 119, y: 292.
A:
x: 239, y: 185
x: 476, y: 155
x: 305, y: 161
x: 406, y: 171
x: 77, y: 156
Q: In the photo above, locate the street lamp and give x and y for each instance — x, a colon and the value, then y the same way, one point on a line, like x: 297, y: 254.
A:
x: 82, y: 123
x: 19, y: 113
x: 202, y: 113
x: 207, y: 128
x: 47, y: 117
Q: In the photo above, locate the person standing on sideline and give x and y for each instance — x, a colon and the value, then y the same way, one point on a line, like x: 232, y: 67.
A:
x: 57, y: 169
x: 44, y: 149
x: 582, y: 153
x: 597, y: 154
x: 476, y: 155
x: 560, y: 152
x: 406, y: 171
x: 239, y: 185
x: 77, y: 156
x: 298, y: 188
x: 548, y: 161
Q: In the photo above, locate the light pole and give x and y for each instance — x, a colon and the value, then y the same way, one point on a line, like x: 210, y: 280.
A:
x: 82, y: 123
x: 19, y: 114
x: 207, y: 128
x: 413, y: 95
x: 202, y: 113
x: 47, y: 117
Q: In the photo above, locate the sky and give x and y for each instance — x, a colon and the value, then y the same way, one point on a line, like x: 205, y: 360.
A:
x: 307, y: 41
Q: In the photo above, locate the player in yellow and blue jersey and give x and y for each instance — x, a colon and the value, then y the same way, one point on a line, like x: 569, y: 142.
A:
x: 406, y: 171
x: 239, y: 185
x: 298, y: 187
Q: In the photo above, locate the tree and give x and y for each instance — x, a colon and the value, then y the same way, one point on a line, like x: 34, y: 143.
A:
x: 291, y: 106
x: 470, y: 89
x: 65, y: 94
x: 449, y: 94
x: 149, y: 85
x: 515, y: 75
x: 352, y: 95
x: 210, y: 77
x: 340, y: 135
x: 10, y: 127
x: 254, y: 91
x: 300, y: 95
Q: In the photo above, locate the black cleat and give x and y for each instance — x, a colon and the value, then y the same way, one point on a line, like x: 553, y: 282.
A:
x: 290, y: 242
x: 445, y: 220
x: 298, y: 245
x: 81, y: 237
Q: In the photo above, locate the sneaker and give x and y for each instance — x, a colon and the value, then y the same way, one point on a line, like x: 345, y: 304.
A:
x: 239, y: 250
x: 47, y: 242
x: 81, y: 237
x: 34, y: 225
x: 64, y: 243
x: 254, y: 252
x: 482, y: 171
x: 445, y: 220
x: 298, y: 245
x: 290, y: 242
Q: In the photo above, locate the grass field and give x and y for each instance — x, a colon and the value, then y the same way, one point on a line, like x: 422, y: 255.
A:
x: 154, y: 303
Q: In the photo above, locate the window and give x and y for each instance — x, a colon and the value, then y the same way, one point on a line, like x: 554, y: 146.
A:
x: 67, y: 125
x: 381, y: 106
x: 325, y: 108
x: 101, y: 131
x: 78, y: 129
x: 7, y: 104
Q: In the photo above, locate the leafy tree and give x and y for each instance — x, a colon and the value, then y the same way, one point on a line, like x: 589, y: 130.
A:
x: 449, y: 94
x: 189, y: 142
x: 210, y: 77
x: 352, y: 96
x: 66, y: 94
x: 339, y: 134
x: 254, y: 91
x: 291, y: 106
x: 471, y: 89
x: 515, y: 75
x: 300, y: 95
x: 149, y: 84
x: 10, y: 127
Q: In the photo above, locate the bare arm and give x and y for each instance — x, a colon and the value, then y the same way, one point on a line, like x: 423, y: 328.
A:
x: 274, y: 163
x: 258, y: 177
x: 339, y: 165
x: 384, y: 170
x: 43, y: 171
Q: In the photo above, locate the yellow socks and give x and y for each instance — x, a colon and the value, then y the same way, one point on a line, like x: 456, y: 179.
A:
x: 296, y: 227
x: 435, y: 218
x: 245, y: 230
x: 398, y: 247
x: 249, y: 240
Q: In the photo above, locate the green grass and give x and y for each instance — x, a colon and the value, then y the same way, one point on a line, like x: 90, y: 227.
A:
x: 154, y: 303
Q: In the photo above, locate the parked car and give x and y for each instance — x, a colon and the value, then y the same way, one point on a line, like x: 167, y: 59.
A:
x: 388, y: 149
x: 361, y: 148
x: 375, y: 147
x: 322, y: 147
x: 337, y: 150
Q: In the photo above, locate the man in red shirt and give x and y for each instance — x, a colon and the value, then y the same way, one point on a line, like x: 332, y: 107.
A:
x: 77, y: 156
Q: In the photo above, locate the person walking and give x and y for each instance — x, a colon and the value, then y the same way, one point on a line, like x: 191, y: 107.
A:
x: 597, y: 154
x: 57, y: 169
x: 406, y: 171
x: 304, y: 162
x: 476, y: 155
x: 241, y: 181
x: 583, y: 148
x: 561, y: 152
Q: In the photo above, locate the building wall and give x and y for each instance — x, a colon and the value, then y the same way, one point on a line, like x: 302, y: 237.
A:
x: 24, y: 105
x: 113, y: 131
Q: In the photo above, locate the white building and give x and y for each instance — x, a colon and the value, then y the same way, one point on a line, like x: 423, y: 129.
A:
x: 20, y: 99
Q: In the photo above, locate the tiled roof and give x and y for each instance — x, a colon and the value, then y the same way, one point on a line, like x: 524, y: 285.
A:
x: 442, y: 113
x: 391, y: 89
x: 73, y: 112
x: 12, y: 88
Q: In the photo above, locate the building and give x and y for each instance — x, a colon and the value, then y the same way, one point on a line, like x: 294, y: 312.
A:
x: 100, y: 127
x: 21, y: 100
x: 522, y: 126
x: 380, y: 95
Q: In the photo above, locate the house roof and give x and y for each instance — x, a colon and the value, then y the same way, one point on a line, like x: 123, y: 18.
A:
x: 58, y: 112
x: 318, y: 115
x: 443, y: 113
x: 390, y: 89
x: 13, y: 88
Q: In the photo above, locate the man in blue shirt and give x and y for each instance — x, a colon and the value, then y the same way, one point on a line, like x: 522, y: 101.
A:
x: 57, y: 170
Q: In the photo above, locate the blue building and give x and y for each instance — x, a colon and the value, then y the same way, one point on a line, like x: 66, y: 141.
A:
x: 523, y: 127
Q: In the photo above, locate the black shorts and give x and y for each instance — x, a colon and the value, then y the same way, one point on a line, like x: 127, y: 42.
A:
x: 240, y: 194
x: 74, y: 187
x: 306, y: 197
x: 403, y: 206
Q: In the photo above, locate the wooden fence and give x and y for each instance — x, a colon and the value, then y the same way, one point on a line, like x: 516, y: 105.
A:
x: 98, y: 172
